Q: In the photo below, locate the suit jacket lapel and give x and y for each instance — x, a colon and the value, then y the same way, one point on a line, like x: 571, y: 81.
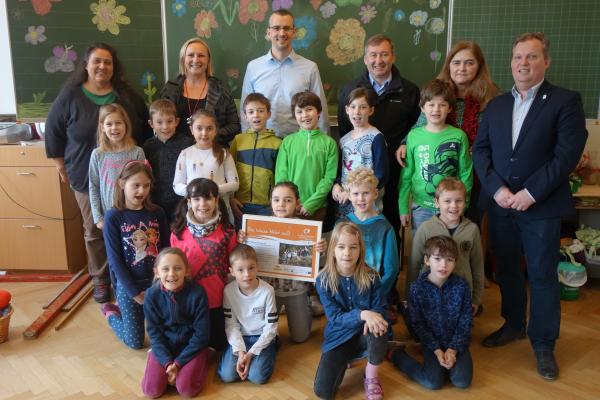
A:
x: 541, y: 98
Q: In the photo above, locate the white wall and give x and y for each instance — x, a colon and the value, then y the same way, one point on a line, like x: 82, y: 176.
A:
x: 8, y: 104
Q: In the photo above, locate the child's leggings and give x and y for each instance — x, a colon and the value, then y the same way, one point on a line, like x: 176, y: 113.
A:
x: 189, y: 381
x: 333, y: 364
x: 129, y: 326
x: 299, y: 315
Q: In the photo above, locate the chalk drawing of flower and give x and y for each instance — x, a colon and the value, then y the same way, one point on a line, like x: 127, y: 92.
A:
x: 179, y: 8
x: 305, y: 32
x: 435, y: 55
x: 282, y: 4
x: 35, y: 34
x: 346, y: 41
x: 328, y: 9
x: 42, y: 7
x: 343, y: 3
x: 399, y: 15
x: 108, y: 15
x: 233, y: 73
x: 204, y: 22
x: 367, y: 13
x: 253, y: 9
x: 61, y: 60
x: 435, y: 26
x: 434, y: 4
x: 316, y: 3
x: 418, y: 18
x: 147, y: 78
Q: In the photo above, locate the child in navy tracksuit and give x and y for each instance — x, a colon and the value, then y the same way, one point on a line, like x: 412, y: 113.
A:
x: 177, y: 321
x: 440, y: 315
x: 134, y: 231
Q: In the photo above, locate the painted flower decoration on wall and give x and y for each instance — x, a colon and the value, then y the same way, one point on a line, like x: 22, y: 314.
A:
x: 435, y: 55
x: 282, y: 4
x: 328, y: 9
x: 233, y: 73
x: 42, y: 7
x: 399, y: 15
x: 35, y: 34
x: 434, y: 4
x: 435, y: 26
x: 179, y: 8
x: 344, y: 3
x: 305, y: 32
x: 61, y: 60
x: 418, y: 19
x: 204, y: 23
x: 253, y: 10
x: 367, y: 13
x: 108, y: 15
x: 346, y: 41
x: 147, y: 78
x: 316, y: 3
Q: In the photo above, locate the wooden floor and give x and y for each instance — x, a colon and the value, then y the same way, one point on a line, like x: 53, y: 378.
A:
x: 85, y: 360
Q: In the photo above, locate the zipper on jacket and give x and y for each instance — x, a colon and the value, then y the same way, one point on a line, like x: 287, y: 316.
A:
x: 252, y: 173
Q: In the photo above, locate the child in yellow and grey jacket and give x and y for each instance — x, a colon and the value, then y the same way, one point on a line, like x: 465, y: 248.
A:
x: 255, y: 154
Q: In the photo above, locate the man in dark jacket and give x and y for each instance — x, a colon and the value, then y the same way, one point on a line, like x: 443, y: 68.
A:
x: 396, y: 109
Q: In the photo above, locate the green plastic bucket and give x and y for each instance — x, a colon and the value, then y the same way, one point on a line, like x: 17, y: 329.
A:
x: 568, y: 292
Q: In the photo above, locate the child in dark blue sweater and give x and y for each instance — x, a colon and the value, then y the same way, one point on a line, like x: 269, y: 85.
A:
x: 177, y: 321
x: 128, y: 227
x: 440, y: 315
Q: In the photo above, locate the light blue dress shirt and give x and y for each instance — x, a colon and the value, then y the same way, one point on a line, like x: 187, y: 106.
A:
x: 279, y: 81
x: 521, y: 108
x: 379, y: 89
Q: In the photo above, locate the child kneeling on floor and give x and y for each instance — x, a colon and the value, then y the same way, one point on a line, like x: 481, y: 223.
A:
x: 440, y: 314
x: 250, y: 321
x: 177, y: 321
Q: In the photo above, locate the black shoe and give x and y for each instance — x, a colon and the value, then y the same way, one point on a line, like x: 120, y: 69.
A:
x: 101, y: 292
x: 546, y: 364
x: 503, y: 336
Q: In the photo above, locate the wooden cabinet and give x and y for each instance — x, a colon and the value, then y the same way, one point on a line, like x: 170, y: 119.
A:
x: 40, y: 222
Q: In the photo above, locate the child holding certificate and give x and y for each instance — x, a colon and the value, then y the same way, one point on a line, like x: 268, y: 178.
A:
x: 293, y: 294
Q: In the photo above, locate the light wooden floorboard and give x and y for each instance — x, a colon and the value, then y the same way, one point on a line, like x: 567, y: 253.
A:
x: 84, y: 360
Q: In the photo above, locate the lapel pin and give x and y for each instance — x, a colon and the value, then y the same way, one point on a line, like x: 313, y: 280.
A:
x: 544, y: 97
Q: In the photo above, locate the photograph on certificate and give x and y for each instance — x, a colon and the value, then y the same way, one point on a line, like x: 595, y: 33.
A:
x: 286, y: 247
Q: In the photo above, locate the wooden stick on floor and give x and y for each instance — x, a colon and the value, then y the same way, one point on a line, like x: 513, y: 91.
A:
x: 76, y: 276
x: 41, y: 322
x: 86, y: 292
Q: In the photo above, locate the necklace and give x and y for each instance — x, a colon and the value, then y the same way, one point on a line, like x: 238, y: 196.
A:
x: 190, y: 110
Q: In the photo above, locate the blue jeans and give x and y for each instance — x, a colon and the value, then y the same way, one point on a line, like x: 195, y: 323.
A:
x: 539, y: 240
x: 431, y: 374
x: 419, y: 215
x: 261, y: 367
x: 254, y: 209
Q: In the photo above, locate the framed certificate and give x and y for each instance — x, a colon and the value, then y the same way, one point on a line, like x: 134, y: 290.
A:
x: 286, y: 247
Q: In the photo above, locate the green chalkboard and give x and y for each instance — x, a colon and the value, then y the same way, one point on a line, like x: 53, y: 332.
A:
x: 331, y: 33
x: 48, y: 38
x: 572, y: 26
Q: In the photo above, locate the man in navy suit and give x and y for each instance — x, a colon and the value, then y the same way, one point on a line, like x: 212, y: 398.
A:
x: 529, y: 141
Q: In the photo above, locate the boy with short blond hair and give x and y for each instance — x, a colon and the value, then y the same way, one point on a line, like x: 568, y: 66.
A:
x: 433, y: 152
x: 255, y: 154
x: 250, y: 321
x: 381, y: 248
x: 162, y: 151
x: 450, y: 199
x: 308, y: 158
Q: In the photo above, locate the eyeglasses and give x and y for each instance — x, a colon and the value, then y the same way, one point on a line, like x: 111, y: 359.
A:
x: 278, y: 28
